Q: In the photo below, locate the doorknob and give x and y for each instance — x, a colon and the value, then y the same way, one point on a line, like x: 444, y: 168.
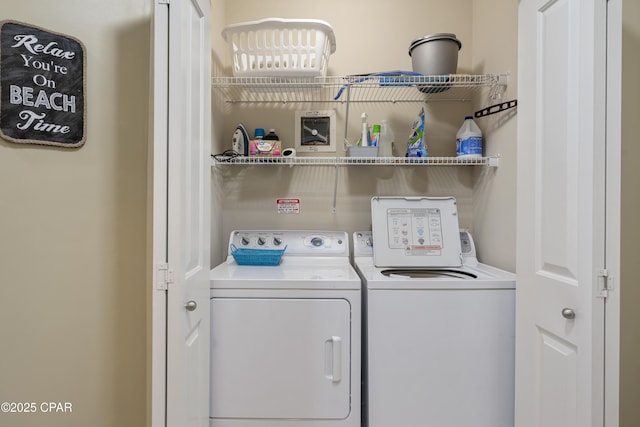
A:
x: 191, y: 305
x: 568, y: 313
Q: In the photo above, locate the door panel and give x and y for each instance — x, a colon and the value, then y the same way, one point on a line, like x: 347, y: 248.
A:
x: 556, y: 172
x: 188, y: 186
x: 280, y: 358
x: 557, y: 400
x: 560, y: 242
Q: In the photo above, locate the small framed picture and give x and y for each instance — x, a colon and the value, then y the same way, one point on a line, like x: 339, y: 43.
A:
x: 315, y: 131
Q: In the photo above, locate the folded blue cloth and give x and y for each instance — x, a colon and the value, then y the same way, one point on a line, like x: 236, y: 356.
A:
x: 365, y: 77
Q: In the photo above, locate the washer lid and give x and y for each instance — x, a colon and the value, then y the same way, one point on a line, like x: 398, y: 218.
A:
x: 415, y: 232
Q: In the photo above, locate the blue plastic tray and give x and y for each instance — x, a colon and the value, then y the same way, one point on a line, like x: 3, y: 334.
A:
x: 244, y: 256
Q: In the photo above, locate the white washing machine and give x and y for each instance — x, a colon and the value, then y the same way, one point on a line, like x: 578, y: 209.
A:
x: 439, y: 329
x: 286, y: 339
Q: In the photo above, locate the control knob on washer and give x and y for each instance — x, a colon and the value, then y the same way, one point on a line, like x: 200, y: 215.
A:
x: 261, y: 241
x: 277, y: 241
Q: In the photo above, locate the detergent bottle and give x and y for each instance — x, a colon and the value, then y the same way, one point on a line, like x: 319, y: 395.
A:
x: 469, y: 139
x: 272, y: 136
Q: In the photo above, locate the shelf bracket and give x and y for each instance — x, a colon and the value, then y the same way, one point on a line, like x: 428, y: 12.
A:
x: 345, y: 144
x: 499, y: 88
x: 335, y: 190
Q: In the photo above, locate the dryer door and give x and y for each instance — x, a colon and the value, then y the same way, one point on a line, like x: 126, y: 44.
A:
x: 280, y: 358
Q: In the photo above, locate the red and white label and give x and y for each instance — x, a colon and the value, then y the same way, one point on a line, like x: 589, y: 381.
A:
x: 288, y: 206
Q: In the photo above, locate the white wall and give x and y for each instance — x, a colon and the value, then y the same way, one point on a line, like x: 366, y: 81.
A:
x: 72, y: 234
x: 374, y: 36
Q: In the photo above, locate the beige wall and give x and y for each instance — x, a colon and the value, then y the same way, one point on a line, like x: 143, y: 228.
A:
x: 495, y: 29
x: 630, y: 283
x: 219, y: 135
x: 371, y: 37
x: 72, y: 234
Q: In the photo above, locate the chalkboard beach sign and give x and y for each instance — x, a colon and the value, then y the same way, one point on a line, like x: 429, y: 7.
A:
x: 42, y: 86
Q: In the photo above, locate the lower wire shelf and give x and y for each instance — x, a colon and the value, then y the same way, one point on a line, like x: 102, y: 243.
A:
x: 491, y: 161
x: 336, y: 162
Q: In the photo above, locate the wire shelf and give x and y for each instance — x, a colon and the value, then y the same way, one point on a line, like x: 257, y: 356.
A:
x: 357, y: 161
x: 368, y: 88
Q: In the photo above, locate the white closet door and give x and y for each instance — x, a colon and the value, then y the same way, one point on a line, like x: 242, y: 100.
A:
x: 181, y: 193
x: 561, y: 212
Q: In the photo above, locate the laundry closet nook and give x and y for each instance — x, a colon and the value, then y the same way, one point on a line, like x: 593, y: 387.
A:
x: 372, y: 37
x: 327, y: 187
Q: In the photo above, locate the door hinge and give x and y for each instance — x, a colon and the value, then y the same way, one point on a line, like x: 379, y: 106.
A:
x: 604, y: 283
x: 164, y: 277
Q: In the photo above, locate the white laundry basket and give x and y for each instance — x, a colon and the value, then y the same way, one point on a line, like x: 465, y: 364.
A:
x: 276, y: 47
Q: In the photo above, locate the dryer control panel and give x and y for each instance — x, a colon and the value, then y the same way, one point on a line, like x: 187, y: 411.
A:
x: 298, y: 242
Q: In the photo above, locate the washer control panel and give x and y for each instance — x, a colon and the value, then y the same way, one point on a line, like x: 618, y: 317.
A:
x: 298, y: 242
x: 363, y: 243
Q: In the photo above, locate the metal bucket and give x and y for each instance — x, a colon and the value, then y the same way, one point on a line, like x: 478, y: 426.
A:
x: 435, y: 54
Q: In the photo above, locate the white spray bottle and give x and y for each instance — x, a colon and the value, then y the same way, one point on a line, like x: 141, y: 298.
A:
x: 365, y: 139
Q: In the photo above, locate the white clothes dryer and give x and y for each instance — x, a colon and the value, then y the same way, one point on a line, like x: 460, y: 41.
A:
x: 286, y: 339
x: 439, y: 340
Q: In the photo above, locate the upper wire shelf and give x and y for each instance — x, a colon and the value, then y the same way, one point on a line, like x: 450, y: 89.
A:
x: 363, y: 88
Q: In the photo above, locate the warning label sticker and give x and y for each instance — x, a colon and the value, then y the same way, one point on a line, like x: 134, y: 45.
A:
x: 288, y: 206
